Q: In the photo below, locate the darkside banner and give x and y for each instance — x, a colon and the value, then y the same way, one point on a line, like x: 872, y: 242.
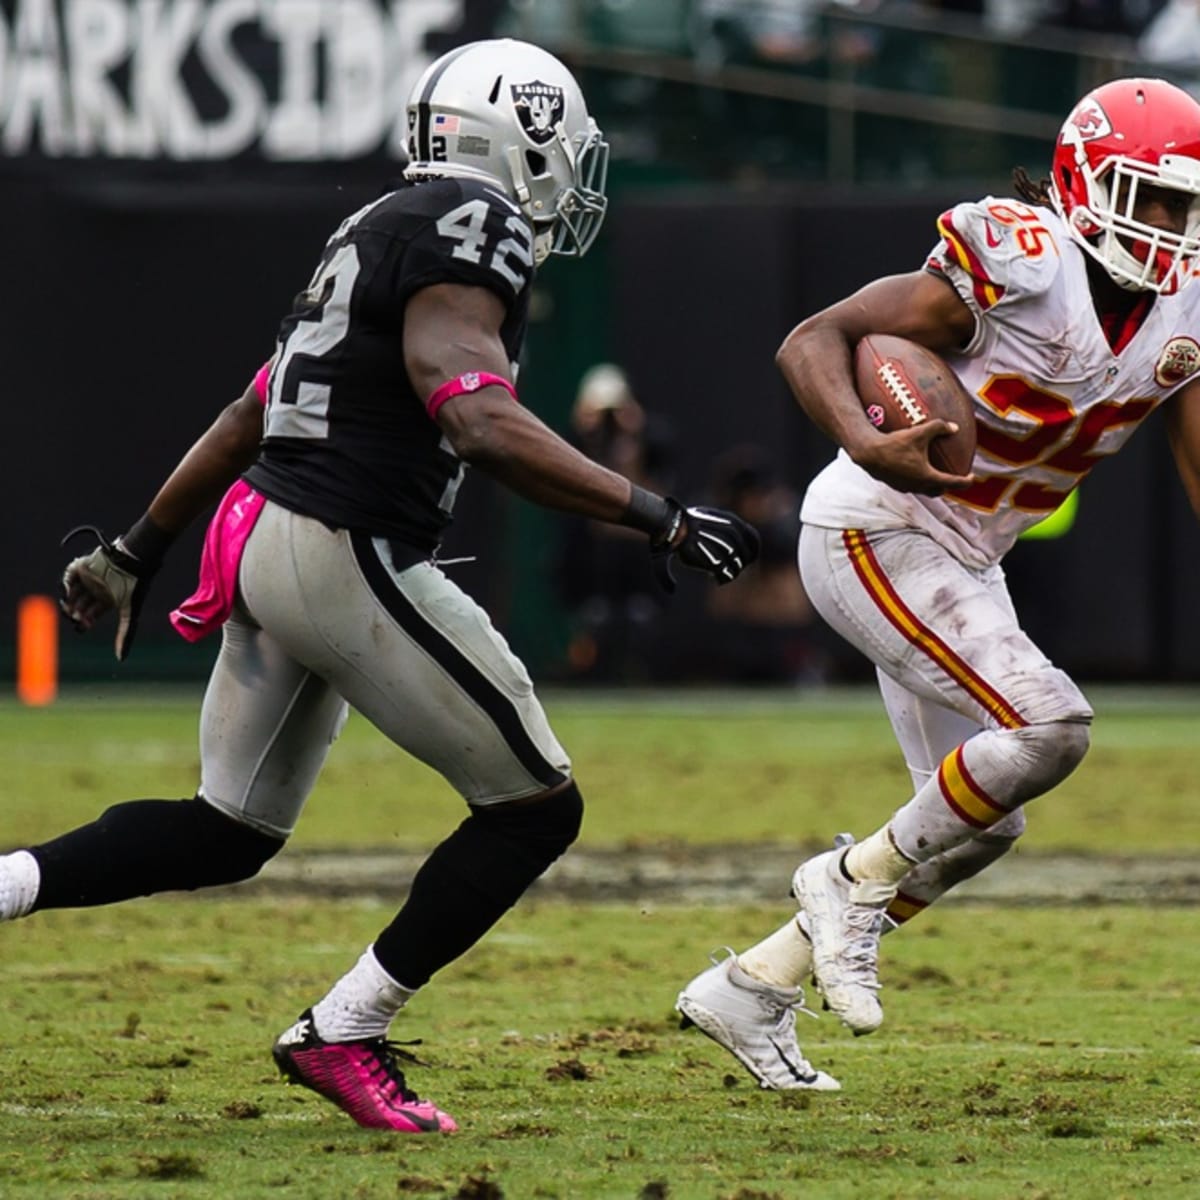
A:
x: 211, y: 80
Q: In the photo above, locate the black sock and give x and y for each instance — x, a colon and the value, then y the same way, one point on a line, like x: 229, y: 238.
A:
x: 472, y: 879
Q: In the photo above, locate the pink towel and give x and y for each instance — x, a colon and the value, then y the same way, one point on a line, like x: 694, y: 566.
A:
x: 209, y: 606
x: 262, y: 378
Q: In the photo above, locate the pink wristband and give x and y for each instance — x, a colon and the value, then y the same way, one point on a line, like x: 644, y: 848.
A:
x: 472, y: 381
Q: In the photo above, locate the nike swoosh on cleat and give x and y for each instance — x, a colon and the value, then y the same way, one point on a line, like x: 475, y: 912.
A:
x: 428, y: 1124
x: 799, y: 1076
x: 297, y: 1034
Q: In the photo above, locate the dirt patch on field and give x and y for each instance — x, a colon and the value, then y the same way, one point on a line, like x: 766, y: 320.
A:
x: 741, y: 874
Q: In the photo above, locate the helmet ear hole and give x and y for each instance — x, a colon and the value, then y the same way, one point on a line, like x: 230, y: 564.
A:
x: 535, y: 162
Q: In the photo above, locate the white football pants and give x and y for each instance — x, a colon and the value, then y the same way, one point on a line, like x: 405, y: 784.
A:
x: 953, y: 663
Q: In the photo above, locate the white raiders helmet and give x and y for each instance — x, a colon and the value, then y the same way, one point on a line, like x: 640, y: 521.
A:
x: 511, y: 114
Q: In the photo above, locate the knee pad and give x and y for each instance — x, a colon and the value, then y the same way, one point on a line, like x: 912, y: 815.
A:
x: 544, y: 828
x: 1048, y: 753
x: 236, y: 851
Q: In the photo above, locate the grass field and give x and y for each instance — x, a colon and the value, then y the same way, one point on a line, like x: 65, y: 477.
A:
x: 695, y: 767
x: 1028, y: 1051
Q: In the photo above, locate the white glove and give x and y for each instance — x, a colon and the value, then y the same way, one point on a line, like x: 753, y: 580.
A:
x: 107, y: 578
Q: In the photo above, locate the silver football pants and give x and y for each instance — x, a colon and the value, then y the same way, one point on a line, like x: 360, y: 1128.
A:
x: 325, y: 620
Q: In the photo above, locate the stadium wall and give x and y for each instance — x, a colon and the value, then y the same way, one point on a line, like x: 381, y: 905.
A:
x: 135, y: 310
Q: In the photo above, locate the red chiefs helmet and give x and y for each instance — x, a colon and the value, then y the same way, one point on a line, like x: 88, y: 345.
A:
x: 1127, y: 133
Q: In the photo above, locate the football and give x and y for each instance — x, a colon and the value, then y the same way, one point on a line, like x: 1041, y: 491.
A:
x: 902, y: 384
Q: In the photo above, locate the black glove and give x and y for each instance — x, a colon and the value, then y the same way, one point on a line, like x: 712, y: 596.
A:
x: 110, y: 577
x: 714, y: 541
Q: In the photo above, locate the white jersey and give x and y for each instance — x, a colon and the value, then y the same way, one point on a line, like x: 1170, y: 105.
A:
x: 1052, y: 395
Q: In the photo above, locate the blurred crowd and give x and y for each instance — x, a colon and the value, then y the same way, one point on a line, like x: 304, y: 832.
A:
x: 907, y: 68
x: 1027, y: 54
x: 623, y: 628
x: 791, y: 30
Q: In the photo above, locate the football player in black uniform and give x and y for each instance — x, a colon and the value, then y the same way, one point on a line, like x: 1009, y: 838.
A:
x: 392, y: 373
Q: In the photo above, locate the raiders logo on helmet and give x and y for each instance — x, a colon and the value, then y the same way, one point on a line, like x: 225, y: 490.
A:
x: 539, y: 107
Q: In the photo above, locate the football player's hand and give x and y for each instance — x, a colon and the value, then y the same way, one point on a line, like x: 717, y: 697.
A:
x: 711, y: 540
x: 901, y: 459
x: 109, y: 578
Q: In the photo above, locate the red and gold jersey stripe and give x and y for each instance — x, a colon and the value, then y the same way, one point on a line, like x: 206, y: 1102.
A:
x: 988, y: 293
x: 962, y: 793
x: 885, y: 597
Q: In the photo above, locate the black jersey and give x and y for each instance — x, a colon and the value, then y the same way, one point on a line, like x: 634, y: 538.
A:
x: 347, y: 440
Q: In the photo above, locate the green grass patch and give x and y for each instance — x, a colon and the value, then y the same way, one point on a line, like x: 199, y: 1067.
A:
x: 697, y: 768
x: 1030, y: 1053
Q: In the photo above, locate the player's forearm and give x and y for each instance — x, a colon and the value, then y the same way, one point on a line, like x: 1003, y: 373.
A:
x: 816, y: 364
x: 604, y: 496
x: 558, y: 477
x: 502, y: 438
x: 226, y: 449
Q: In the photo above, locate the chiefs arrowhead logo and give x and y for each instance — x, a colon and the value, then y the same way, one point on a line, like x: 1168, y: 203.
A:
x: 1089, y: 120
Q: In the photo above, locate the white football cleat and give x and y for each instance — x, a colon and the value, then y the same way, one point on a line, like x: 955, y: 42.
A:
x: 755, y: 1022
x: 845, y: 921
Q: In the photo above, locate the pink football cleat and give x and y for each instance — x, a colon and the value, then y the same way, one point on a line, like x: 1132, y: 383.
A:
x: 361, y: 1078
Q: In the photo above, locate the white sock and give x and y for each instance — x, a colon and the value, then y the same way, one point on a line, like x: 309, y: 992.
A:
x: 783, y: 959
x: 362, y: 1004
x: 20, y: 878
x: 876, y: 860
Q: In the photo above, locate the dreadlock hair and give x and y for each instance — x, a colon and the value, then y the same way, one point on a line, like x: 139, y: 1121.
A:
x: 1035, y: 192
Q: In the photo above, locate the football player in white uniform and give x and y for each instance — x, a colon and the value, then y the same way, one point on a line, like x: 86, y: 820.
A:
x: 1071, y: 313
x: 393, y: 371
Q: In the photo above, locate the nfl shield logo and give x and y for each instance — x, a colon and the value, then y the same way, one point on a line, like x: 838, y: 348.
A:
x: 540, y: 107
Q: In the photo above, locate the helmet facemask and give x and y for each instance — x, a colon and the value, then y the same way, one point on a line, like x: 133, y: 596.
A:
x: 1138, y: 256
x: 561, y: 189
x: 1122, y: 138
